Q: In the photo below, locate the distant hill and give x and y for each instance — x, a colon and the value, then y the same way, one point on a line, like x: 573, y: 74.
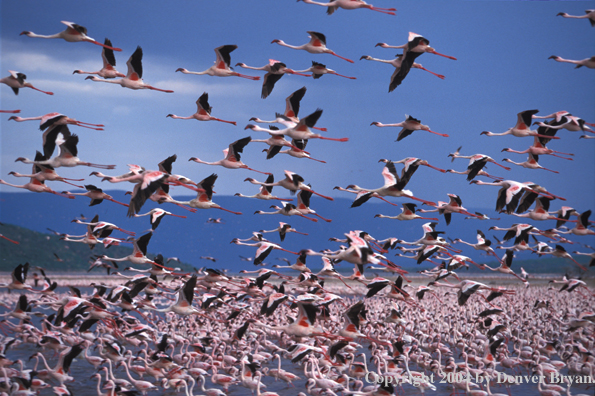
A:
x: 40, y: 249
x: 193, y: 237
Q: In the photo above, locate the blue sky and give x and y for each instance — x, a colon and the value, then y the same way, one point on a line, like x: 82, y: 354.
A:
x: 502, y: 68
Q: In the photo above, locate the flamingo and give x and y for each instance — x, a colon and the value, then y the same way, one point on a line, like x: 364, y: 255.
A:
x: 296, y: 150
x: 303, y: 204
x: 333, y: 5
x: 287, y: 210
x: 275, y: 70
x: 264, y: 249
x: 221, y: 68
x: 560, y: 252
x: 589, y: 14
x: 505, y: 265
x: 521, y: 129
x: 203, y: 111
x: 292, y: 108
x: 539, y: 148
x: 509, y: 195
x: 42, y: 173
x: 134, y: 76
x: 232, y: 156
x: 156, y: 216
x: 401, y: 69
x: 52, y: 120
x: 563, y: 119
x: 407, y: 213
x: 283, y: 229
x: 476, y: 163
x: 482, y: 244
x: 35, y: 185
x: 588, y: 62
x: 16, y: 81
x: 292, y: 182
x: 582, y: 226
x: 393, y: 187
x: 299, y: 131
x: 319, y: 69
x: 265, y: 192
x: 18, y: 279
x: 418, y: 44
x: 531, y: 163
x: 60, y: 372
x: 109, y: 63
x: 409, y: 126
x: 204, y: 196
x: 96, y: 194
x: 139, y: 254
x: 316, y: 45
x: 591, y: 255
x: 67, y: 157
x: 73, y: 33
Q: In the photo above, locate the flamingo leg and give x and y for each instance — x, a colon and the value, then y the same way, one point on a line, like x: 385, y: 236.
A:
x: 340, y: 75
x: 72, y: 184
x: 382, y: 10
x: 230, y: 211
x: 320, y: 195
x: 114, y: 201
x: 431, y: 72
x: 37, y: 89
x: 220, y: 120
x: 446, y: 56
x: 90, y: 127
x: 8, y: 239
x: 255, y: 78
x: 393, y: 204
x: 97, y: 165
x: 339, y: 56
x: 319, y: 129
x: 327, y: 220
x: 160, y: 90
x: 106, y: 46
x: 187, y: 208
x: 309, y: 218
x: 435, y: 168
x: 333, y: 139
x: 436, y: 133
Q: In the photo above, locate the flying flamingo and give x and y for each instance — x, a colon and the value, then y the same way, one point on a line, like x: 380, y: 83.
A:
x: 139, y: 254
x: 539, y: 148
x: 232, y: 156
x: 589, y: 14
x: 401, y: 69
x: 408, y: 213
x: 265, y: 191
x: 96, y: 194
x: 299, y: 131
x: 393, y: 187
x: 283, y: 229
x: 588, y: 62
x: 292, y: 182
x: 73, y: 33
x: 287, y: 210
x: 203, y: 111
x: 510, y: 193
x: 531, y: 163
x: 109, y: 64
x: 102, y: 229
x: 455, y: 205
x: 35, y: 185
x: 303, y: 204
x: 521, y: 129
x: 296, y: 150
x: 156, y: 216
x: 52, y: 120
x: 560, y: 252
x: 319, y: 69
x: 582, y: 226
x: 203, y: 198
x: 316, y: 45
x: 333, y: 5
x: 292, y: 108
x: 409, y: 126
x: 134, y: 76
x: 505, y: 265
x: 45, y: 172
x: 264, y: 249
x: 67, y: 157
x: 418, y: 44
x: 16, y: 81
x: 275, y: 70
x: 476, y: 163
x: 221, y: 68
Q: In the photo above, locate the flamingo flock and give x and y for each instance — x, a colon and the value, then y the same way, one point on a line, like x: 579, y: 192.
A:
x: 166, y: 329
